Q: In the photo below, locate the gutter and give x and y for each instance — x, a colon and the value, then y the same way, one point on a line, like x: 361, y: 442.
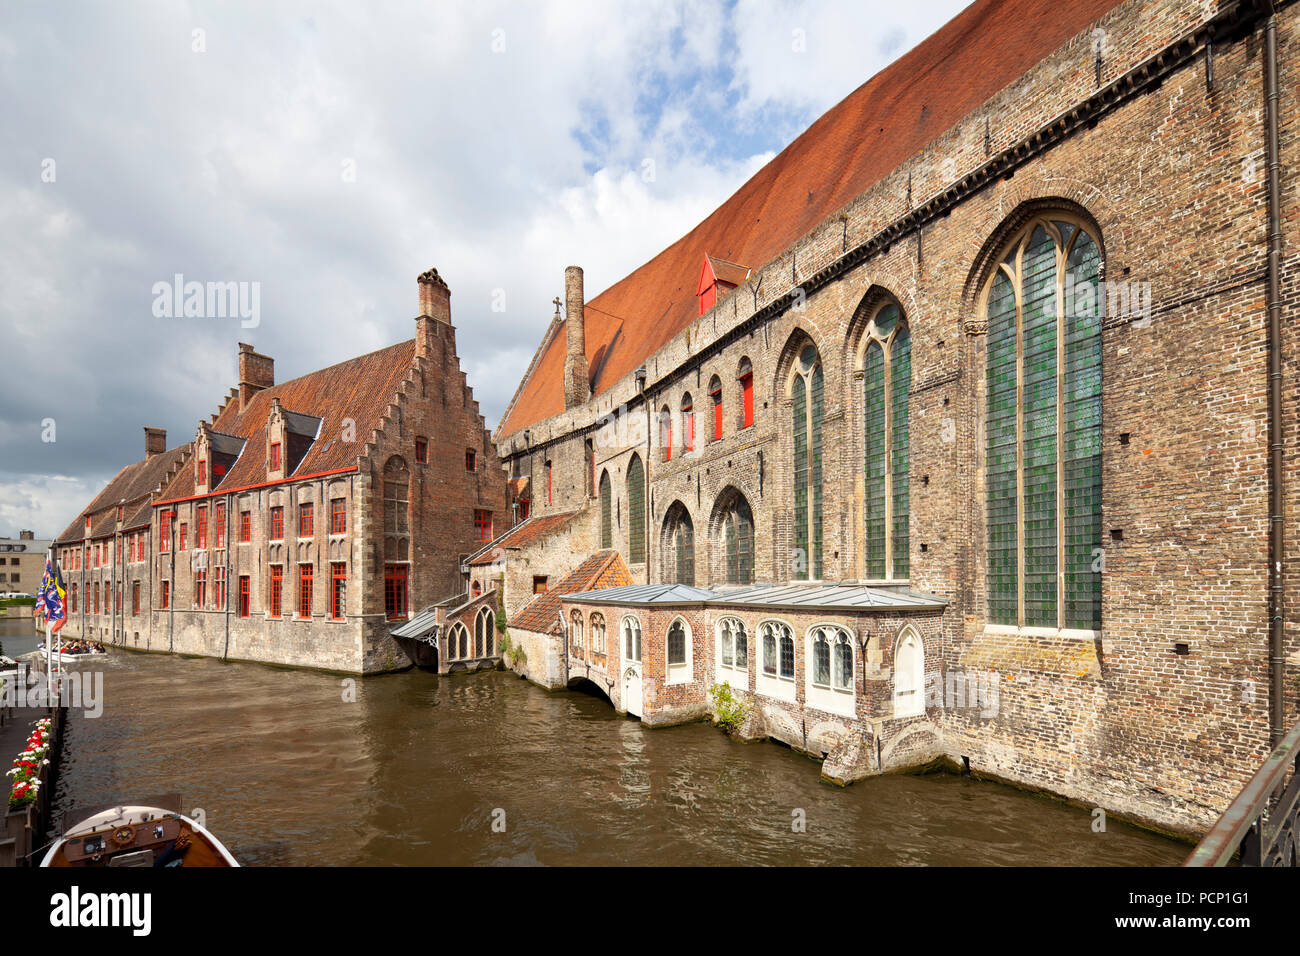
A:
x: 1273, y: 307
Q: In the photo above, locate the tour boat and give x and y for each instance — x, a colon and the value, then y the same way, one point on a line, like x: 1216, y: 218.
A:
x: 146, y: 834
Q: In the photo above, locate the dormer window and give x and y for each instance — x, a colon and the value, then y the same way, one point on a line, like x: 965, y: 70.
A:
x: 203, y: 472
x: 276, y: 457
x: 119, y: 512
x: 717, y: 278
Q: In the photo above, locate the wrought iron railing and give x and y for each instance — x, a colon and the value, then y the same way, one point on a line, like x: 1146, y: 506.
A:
x: 1263, y: 822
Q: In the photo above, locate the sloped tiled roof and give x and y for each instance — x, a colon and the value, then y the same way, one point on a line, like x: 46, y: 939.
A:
x: 729, y: 272
x: 359, y: 389
x: 523, y: 534
x: 853, y: 146
x: 133, y: 485
x: 604, y: 569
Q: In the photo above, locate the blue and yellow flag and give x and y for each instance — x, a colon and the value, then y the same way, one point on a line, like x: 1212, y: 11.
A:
x: 52, y: 597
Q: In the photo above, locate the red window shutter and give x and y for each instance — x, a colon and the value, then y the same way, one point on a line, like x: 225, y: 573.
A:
x: 747, y: 389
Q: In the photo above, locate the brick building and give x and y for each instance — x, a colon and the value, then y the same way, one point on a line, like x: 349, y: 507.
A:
x: 967, y: 388
x: 22, y: 562
x: 305, y: 520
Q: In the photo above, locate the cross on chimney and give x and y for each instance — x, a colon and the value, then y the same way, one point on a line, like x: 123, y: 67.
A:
x: 556, y: 300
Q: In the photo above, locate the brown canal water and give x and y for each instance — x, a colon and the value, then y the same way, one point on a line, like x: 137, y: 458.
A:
x: 417, y: 768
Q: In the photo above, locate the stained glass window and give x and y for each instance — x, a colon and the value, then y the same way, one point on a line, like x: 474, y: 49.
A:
x: 887, y: 379
x: 606, y: 509
x: 1043, y: 464
x: 807, y: 410
x: 635, y: 511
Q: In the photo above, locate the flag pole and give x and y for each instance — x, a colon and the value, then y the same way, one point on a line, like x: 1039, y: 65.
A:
x: 49, y: 653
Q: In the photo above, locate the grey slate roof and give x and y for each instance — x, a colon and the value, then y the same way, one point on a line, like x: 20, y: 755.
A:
x: 423, y: 623
x: 829, y: 596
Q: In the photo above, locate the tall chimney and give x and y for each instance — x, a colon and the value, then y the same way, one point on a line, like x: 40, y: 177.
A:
x: 577, y: 373
x: 155, y: 441
x: 256, y: 372
x: 435, y: 306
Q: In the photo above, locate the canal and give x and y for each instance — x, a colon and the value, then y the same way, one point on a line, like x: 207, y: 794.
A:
x: 289, y: 768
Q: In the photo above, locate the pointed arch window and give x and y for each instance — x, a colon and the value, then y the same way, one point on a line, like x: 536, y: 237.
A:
x: 688, y: 423
x: 483, y: 633
x: 909, y: 675
x: 575, y: 633
x: 606, y: 513
x: 738, y: 540
x: 636, y: 511
x: 806, y: 393
x: 679, y: 546
x: 887, y: 377
x: 1043, y: 450
x: 631, y: 639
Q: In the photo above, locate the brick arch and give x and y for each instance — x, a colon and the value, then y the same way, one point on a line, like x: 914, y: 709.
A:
x: 730, y: 494
x: 800, y: 336
x: 673, y: 515
x: 875, y: 296
x: 1021, y: 201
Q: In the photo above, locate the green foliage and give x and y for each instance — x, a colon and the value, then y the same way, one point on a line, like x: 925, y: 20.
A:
x: 728, y: 709
x: 501, y: 603
x: 18, y: 602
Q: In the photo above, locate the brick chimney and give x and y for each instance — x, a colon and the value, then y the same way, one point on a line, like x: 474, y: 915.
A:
x: 435, y: 306
x: 26, y: 535
x: 577, y: 373
x: 256, y: 372
x: 155, y: 441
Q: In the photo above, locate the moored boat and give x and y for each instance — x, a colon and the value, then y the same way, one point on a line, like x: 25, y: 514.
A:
x: 147, y: 834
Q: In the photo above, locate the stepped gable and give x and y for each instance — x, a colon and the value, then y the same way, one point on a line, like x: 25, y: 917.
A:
x: 853, y: 146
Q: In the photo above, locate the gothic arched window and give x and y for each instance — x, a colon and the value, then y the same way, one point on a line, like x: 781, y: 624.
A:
x: 1043, y: 452
x: 679, y: 545
x: 806, y: 389
x: 635, y: 511
x: 606, y: 513
x: 887, y: 376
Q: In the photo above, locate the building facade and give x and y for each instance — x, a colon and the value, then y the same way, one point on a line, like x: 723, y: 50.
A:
x: 22, y: 562
x: 1003, y: 339
x: 306, y: 519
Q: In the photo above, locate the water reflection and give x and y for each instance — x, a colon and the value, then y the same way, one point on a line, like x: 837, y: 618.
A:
x: 416, y: 770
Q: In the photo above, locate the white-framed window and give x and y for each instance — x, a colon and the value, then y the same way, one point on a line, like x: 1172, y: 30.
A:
x: 678, y: 652
x: 575, y: 633
x: 598, y: 634
x: 457, y: 642
x: 909, y: 674
x: 775, y: 674
x: 828, y: 650
x: 631, y: 640
x: 733, y: 653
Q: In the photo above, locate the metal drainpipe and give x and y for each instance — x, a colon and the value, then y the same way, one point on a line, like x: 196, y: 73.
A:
x: 1273, y: 300
x: 225, y: 652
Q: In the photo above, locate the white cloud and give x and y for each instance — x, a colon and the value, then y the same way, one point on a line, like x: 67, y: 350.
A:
x: 499, y: 168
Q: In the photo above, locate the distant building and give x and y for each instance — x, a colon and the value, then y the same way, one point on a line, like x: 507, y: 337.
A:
x: 22, y: 562
x: 305, y: 519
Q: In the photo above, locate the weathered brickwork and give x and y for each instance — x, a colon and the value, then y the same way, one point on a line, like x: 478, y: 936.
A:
x: 1170, y: 180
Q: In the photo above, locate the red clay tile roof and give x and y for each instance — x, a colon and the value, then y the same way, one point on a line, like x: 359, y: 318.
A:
x: 133, y: 485
x: 729, y: 272
x: 523, y: 534
x: 857, y: 143
x: 604, y: 569
x: 358, y: 389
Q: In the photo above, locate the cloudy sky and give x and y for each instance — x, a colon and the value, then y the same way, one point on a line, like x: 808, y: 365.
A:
x: 332, y: 152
